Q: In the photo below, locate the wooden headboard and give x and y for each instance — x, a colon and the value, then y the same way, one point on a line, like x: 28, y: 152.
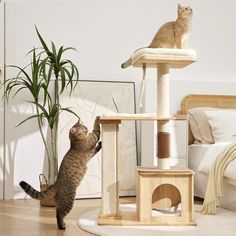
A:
x: 197, y: 100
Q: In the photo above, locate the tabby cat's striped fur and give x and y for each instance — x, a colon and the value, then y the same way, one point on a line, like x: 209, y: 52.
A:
x: 83, y: 146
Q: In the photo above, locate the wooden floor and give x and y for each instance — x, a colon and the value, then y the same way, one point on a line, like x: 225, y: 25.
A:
x: 26, y: 218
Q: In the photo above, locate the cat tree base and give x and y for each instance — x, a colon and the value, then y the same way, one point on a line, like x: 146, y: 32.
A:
x: 166, y: 184
x: 110, y: 157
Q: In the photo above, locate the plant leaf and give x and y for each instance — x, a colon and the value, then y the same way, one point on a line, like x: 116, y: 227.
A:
x: 42, y: 41
x: 28, y: 118
x: 67, y: 109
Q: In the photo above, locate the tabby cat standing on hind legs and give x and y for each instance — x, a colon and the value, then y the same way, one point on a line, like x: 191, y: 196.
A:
x: 83, y: 146
x: 172, y: 34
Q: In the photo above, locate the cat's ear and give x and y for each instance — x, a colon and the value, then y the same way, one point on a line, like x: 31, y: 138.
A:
x: 180, y: 6
x: 73, y: 130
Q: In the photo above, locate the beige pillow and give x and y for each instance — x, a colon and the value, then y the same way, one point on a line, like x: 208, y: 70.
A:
x: 199, y: 124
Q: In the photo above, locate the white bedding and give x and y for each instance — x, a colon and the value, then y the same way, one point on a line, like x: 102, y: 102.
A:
x: 210, y: 156
x: 202, y: 156
x: 196, y: 153
x: 199, y: 159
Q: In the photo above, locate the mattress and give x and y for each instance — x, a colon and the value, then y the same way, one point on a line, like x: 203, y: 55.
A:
x: 196, y: 154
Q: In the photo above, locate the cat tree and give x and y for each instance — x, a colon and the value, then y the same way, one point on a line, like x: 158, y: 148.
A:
x: 157, y: 187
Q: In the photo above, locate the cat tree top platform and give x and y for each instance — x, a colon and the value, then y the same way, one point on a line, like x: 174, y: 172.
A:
x: 176, y: 58
x: 144, y: 116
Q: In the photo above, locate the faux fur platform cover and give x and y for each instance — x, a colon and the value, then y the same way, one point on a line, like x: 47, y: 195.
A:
x: 177, y: 58
x: 164, y: 52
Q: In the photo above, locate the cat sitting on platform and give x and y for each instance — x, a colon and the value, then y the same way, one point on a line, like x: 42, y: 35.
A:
x: 172, y: 34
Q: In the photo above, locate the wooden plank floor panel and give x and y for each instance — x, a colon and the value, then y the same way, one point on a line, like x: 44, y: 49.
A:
x: 25, y: 217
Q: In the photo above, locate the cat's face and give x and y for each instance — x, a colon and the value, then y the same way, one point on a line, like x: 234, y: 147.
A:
x: 184, y: 11
x: 78, y: 131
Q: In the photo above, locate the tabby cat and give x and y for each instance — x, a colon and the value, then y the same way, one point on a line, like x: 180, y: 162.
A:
x: 172, y: 34
x: 83, y: 146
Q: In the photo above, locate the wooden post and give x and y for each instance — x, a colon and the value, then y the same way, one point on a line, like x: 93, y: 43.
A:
x: 163, y: 107
x: 110, y: 179
x: 163, y: 110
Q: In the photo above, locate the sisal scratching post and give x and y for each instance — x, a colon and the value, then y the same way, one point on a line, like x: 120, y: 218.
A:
x: 163, y: 59
x: 163, y: 104
x: 163, y: 110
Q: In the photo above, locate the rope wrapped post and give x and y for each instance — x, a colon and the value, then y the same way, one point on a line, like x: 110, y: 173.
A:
x: 163, y: 59
x: 163, y: 110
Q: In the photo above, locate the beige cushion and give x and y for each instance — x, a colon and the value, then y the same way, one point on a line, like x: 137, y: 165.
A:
x: 199, y: 125
x: 223, y: 124
x: 167, y: 52
x: 170, y: 55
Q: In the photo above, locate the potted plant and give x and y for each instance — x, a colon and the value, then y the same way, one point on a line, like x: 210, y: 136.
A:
x: 47, y: 66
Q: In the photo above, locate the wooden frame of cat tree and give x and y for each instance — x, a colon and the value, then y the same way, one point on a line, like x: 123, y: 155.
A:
x: 156, y: 187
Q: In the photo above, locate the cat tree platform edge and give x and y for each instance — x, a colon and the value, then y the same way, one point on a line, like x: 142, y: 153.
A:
x: 176, y: 58
x: 114, y: 118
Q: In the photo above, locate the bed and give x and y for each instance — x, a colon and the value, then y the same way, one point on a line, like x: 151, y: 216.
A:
x: 211, y: 128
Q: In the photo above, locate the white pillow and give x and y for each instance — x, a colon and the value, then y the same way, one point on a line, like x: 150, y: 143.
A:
x: 223, y: 124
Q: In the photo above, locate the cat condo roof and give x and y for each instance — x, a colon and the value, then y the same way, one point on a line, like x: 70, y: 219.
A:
x: 176, y: 58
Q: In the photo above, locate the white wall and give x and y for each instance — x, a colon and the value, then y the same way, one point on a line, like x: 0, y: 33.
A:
x: 105, y: 33
x: 1, y: 100
x: 181, y: 88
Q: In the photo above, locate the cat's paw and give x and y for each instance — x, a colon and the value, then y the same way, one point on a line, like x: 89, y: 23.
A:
x: 60, y: 222
x: 99, y: 146
x: 62, y: 227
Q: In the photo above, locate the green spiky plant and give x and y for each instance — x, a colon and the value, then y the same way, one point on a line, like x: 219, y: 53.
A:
x: 47, y: 66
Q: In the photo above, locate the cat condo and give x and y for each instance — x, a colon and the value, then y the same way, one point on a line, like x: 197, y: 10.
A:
x: 158, y: 186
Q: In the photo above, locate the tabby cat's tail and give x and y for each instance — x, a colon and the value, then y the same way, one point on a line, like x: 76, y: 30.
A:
x: 50, y: 192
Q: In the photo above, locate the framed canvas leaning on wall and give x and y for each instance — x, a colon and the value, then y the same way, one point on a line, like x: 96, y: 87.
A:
x: 95, y: 98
